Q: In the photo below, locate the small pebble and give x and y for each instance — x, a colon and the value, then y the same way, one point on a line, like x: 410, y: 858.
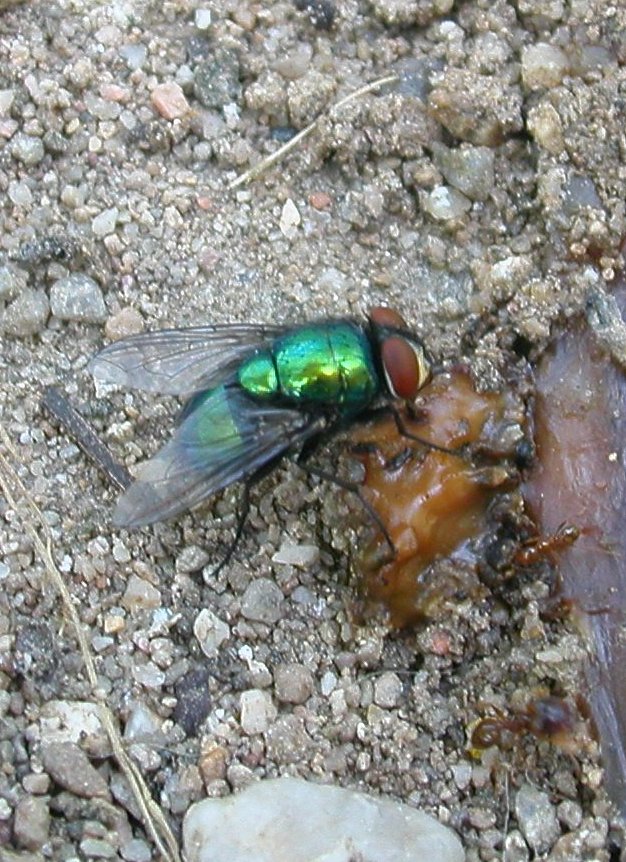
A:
x: 27, y: 149
x: 31, y: 823
x: 262, y: 601
x: 134, y: 54
x: 169, y: 100
x: 6, y: 100
x: 216, y: 80
x: 68, y: 766
x: 257, y: 711
x: 136, y: 850
x: 469, y: 169
x: 202, y: 19
x: 143, y: 725
x: 191, y: 559
x: 13, y: 280
x: 77, y: 297
x: 104, y: 223
x: 210, y: 631
x: 320, y: 201
x: 193, y: 700
x: 536, y: 818
x: 544, y: 124
x: 97, y: 848
x: 27, y: 314
x: 543, y: 66
x: 387, y: 690
x: 444, y: 203
x: 20, y: 194
x: 303, y: 556
x: 127, y: 321
x: 290, y: 219
x: 36, y: 783
x: 516, y: 848
x: 140, y: 595
x: 148, y: 675
x: 293, y: 683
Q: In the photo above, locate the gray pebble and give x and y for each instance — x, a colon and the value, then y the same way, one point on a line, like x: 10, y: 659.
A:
x: 143, y: 725
x: 97, y: 848
x: 387, y: 690
x: 216, y: 79
x: 136, y: 850
x: 134, y: 54
x: 32, y: 822
x: 516, y: 848
x: 303, y: 556
x: 27, y: 314
x: 104, y: 223
x: 20, y: 194
x: 36, y: 783
x: 536, y: 818
x: 6, y: 100
x: 262, y: 601
x: 445, y: 203
x: 543, y: 65
x: 27, y: 149
x: 68, y: 766
x: 191, y: 559
x: 293, y: 683
x: 13, y: 280
x: 469, y: 169
x: 140, y: 595
x: 78, y: 297
x: 287, y: 740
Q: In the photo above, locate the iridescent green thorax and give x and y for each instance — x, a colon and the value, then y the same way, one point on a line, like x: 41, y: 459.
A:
x: 326, y: 365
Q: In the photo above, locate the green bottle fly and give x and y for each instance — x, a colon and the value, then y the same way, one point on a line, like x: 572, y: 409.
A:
x: 255, y: 393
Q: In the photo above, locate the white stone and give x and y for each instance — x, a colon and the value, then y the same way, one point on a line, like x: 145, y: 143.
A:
x: 302, y: 556
x: 445, y: 203
x: 289, y: 219
x: 291, y: 820
x: 210, y: 631
x: 257, y: 711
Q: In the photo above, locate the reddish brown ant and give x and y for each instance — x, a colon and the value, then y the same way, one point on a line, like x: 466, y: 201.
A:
x: 546, y: 547
x: 547, y: 718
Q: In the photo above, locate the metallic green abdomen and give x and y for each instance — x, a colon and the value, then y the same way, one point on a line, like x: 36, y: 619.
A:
x: 327, y: 365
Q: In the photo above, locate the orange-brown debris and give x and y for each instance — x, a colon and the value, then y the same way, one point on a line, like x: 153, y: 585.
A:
x: 431, y: 502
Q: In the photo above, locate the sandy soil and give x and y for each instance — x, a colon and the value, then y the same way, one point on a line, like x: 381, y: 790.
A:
x: 482, y: 195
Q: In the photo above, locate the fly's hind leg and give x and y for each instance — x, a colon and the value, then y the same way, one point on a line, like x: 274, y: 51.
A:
x: 244, y: 511
x: 242, y: 517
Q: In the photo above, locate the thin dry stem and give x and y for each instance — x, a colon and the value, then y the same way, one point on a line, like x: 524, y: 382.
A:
x: 21, y: 501
x: 281, y: 152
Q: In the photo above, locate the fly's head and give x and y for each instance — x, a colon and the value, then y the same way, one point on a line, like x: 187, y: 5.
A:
x: 405, y: 364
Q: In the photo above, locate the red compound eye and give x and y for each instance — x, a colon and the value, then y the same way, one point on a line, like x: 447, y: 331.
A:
x: 382, y: 316
x: 401, y: 367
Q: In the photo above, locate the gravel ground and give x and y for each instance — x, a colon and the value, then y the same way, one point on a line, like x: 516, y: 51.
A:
x: 482, y: 195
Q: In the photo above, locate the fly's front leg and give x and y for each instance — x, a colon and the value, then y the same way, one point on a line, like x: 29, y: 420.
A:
x: 458, y: 452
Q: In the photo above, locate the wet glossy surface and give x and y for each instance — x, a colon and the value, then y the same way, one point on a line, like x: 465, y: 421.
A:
x: 432, y: 502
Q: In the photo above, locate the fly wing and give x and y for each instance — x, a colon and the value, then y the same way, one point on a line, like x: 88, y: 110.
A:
x: 228, y: 437
x: 179, y: 361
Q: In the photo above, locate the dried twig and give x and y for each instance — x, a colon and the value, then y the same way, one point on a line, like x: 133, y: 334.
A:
x: 280, y: 153
x: 19, y: 499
